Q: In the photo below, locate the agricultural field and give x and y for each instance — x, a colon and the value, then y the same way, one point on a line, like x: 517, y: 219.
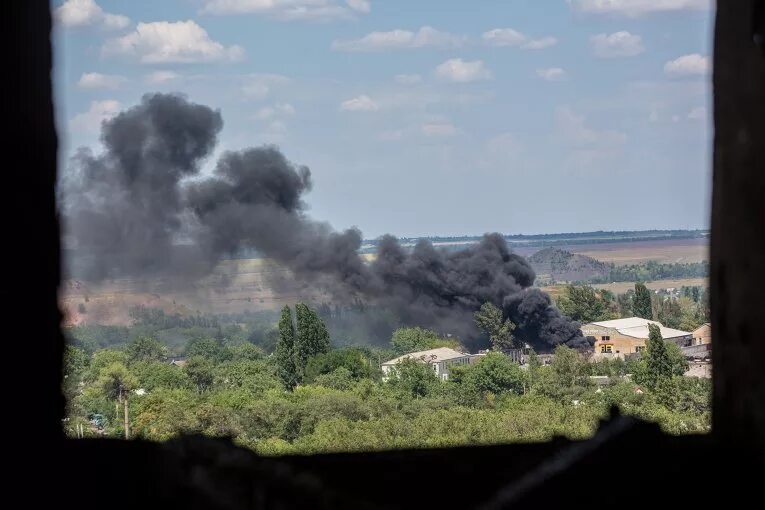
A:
x: 638, y: 252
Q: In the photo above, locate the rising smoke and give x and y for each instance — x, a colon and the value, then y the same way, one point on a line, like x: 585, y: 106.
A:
x: 135, y: 212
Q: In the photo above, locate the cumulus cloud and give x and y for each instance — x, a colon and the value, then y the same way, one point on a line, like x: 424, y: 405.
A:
x: 85, y: 13
x: 539, y: 44
x: 461, y: 71
x: 635, y: 8
x: 439, y: 129
x: 363, y: 6
x: 500, y: 37
x: 689, y: 65
x: 260, y: 86
x: 618, y: 44
x: 362, y: 103
x: 100, y: 81
x: 162, y: 76
x: 165, y: 42
x: 290, y: 10
x: 425, y: 37
x: 552, y: 74
x: 99, y: 111
x: 408, y: 79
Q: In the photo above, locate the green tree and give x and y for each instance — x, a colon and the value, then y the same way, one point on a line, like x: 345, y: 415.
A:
x: 351, y: 359
x: 208, y: 348
x: 494, y: 373
x: 661, y: 360
x: 413, y: 378
x: 201, y: 372
x: 534, y: 364
x: 311, y: 336
x: 116, y: 382
x: 406, y: 340
x: 153, y: 375
x: 584, y: 304
x: 146, y: 348
x: 285, y: 350
x: 247, y: 351
x: 489, y: 319
x: 641, y: 303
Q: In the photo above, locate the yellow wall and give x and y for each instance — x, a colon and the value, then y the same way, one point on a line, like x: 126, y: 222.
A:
x: 702, y: 335
x: 619, y: 344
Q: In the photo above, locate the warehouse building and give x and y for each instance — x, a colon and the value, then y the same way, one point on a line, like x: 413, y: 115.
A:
x: 620, y: 337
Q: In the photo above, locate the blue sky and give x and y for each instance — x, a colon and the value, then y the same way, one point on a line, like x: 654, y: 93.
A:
x: 426, y: 117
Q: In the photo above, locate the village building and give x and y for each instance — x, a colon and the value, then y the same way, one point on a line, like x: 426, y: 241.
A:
x: 440, y: 359
x: 620, y: 337
x: 702, y: 335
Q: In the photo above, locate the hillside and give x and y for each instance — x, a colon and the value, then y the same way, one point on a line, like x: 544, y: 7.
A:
x: 556, y: 265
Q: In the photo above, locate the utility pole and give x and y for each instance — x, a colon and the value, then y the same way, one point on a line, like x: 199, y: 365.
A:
x: 127, y: 422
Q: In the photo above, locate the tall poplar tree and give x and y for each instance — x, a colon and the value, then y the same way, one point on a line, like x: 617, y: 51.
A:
x: 641, y: 304
x: 312, y: 337
x: 285, y: 350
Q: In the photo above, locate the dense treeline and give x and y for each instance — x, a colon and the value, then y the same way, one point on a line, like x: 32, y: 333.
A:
x: 686, y: 309
x: 338, y: 400
x: 653, y: 270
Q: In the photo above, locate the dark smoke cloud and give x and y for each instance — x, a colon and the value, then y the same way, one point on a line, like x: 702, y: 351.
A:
x: 124, y: 208
x: 131, y: 210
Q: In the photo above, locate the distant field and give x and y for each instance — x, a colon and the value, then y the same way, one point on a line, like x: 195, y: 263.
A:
x: 665, y: 251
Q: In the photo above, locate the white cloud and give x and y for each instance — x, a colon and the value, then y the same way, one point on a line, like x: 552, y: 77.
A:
x: 158, y: 77
x: 260, y: 86
x: 503, y: 37
x: 363, y: 6
x: 100, y: 81
x: 539, y: 44
x: 618, y: 44
x: 361, y: 103
x: 408, y: 79
x: 634, y: 8
x: 425, y: 37
x: 574, y: 130
x: 290, y: 10
x: 689, y: 65
x: 85, y: 13
x: 552, y: 74
x: 275, y: 111
x: 698, y: 113
x: 91, y: 120
x: 461, y: 71
x: 510, y: 37
x: 164, y: 42
x: 439, y: 129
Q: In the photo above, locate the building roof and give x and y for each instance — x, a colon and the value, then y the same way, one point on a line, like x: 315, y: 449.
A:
x: 638, y: 327
x: 702, y: 327
x: 430, y: 356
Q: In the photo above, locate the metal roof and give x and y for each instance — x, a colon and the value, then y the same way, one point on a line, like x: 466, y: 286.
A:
x: 638, y: 327
x: 430, y: 356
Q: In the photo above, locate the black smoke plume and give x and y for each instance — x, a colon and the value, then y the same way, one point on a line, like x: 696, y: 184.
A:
x: 135, y: 212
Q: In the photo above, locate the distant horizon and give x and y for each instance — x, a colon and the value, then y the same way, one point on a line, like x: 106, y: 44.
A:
x: 537, y: 234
